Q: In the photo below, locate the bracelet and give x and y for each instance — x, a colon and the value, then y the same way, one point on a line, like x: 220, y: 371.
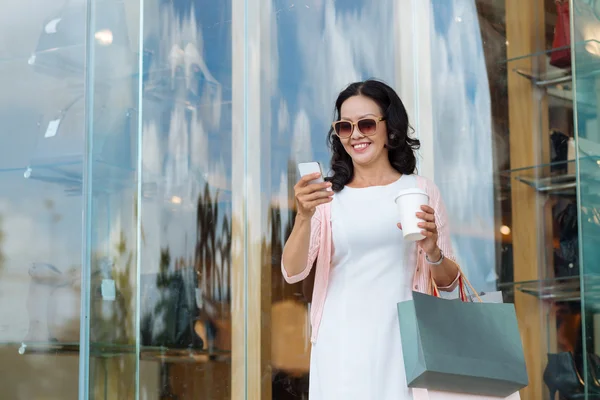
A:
x: 438, y: 262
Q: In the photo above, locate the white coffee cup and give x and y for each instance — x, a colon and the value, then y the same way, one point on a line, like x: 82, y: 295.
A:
x: 409, y: 202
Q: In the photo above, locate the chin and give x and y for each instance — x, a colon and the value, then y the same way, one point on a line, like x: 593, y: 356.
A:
x: 363, y: 159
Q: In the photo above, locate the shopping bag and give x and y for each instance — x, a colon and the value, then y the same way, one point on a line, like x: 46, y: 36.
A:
x: 461, y: 347
x: 424, y: 394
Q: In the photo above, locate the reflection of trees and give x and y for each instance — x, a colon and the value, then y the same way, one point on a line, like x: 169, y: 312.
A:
x: 212, y: 265
x: 164, y: 279
x: 224, y: 246
x: 282, y: 290
x: 123, y: 281
x: 113, y: 322
x: 288, y: 381
x: 212, y: 253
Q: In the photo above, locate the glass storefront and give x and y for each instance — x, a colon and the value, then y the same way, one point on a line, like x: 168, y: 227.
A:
x: 149, y: 154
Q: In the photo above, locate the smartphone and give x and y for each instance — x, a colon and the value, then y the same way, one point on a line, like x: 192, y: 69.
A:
x: 312, y: 167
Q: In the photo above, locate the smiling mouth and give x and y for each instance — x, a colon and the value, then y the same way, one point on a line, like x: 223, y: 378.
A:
x: 361, y: 146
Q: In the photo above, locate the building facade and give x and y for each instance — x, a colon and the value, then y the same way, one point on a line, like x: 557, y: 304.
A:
x: 149, y: 153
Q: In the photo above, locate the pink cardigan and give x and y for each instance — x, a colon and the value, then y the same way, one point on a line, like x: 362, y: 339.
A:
x: 321, y: 248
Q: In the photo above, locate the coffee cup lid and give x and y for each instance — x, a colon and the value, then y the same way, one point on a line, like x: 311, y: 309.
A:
x: 410, y: 191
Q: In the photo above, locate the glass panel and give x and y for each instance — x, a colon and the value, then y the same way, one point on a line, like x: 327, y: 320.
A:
x: 491, y: 100
x: 185, y: 285
x: 585, y: 71
x: 531, y: 93
x: 534, y: 127
x: 310, y: 52
x: 42, y: 139
x: 110, y: 193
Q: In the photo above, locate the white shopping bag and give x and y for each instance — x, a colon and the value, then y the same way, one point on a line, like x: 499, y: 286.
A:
x: 424, y: 394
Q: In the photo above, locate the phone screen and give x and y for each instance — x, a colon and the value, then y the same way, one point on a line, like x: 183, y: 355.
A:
x: 311, y: 168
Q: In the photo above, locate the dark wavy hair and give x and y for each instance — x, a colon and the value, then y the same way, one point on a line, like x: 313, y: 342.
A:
x: 401, y: 147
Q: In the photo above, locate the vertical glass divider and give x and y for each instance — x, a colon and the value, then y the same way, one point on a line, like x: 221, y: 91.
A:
x: 239, y: 374
x: 138, y: 215
x: 87, y: 218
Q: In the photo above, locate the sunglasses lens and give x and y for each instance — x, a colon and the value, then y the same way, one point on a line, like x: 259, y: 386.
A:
x: 367, y: 126
x: 343, y: 129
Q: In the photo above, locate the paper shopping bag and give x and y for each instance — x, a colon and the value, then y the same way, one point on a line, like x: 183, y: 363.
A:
x: 461, y: 347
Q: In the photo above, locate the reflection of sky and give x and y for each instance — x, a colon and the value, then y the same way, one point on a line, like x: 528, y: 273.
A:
x: 320, y: 46
x: 39, y: 222
x: 190, y: 145
x: 324, y: 47
x: 463, y: 148
x: 182, y: 145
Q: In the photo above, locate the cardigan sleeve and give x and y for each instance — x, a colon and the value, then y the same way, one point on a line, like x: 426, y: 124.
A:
x: 444, y: 239
x: 313, y: 249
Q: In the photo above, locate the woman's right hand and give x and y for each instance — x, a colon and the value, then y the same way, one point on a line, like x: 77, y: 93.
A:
x: 310, y: 195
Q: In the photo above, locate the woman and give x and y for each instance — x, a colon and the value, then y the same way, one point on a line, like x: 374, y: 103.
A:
x: 346, y: 228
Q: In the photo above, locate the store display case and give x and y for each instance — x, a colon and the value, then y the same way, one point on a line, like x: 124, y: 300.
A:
x: 117, y: 250
x: 549, y: 102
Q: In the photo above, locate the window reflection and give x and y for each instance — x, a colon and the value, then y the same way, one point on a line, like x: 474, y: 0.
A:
x: 186, y: 210
x: 206, y: 203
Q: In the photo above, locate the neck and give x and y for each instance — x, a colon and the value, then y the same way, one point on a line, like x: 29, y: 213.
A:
x: 375, y: 174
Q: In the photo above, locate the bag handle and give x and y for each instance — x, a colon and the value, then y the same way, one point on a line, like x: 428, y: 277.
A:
x: 462, y: 283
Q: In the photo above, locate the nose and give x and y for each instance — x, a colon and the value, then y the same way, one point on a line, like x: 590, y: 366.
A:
x: 356, y: 133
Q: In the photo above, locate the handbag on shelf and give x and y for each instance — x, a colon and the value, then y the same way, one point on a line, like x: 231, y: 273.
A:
x: 559, y: 148
x: 169, y: 311
x: 485, y: 360
x: 566, y: 257
x: 561, y: 45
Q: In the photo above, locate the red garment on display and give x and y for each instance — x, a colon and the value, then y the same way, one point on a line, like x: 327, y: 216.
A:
x: 561, y: 45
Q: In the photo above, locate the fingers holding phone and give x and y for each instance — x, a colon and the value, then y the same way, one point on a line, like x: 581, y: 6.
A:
x: 311, y: 190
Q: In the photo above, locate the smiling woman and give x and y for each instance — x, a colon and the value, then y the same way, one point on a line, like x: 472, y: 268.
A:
x: 365, y: 112
x: 362, y: 260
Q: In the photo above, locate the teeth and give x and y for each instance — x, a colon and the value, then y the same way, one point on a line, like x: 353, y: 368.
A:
x: 361, y: 146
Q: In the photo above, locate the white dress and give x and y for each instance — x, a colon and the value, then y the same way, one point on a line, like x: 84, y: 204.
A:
x: 358, y: 353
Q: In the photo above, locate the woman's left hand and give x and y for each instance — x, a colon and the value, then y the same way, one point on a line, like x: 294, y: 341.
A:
x: 429, y: 230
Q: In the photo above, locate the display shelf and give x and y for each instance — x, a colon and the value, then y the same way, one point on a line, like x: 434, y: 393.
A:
x: 554, y: 77
x: 581, y: 48
x: 68, y: 172
x: 558, y: 82
x: 110, y: 178
x: 107, y: 177
x: 559, y: 289
x: 147, y: 353
x: 558, y: 178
